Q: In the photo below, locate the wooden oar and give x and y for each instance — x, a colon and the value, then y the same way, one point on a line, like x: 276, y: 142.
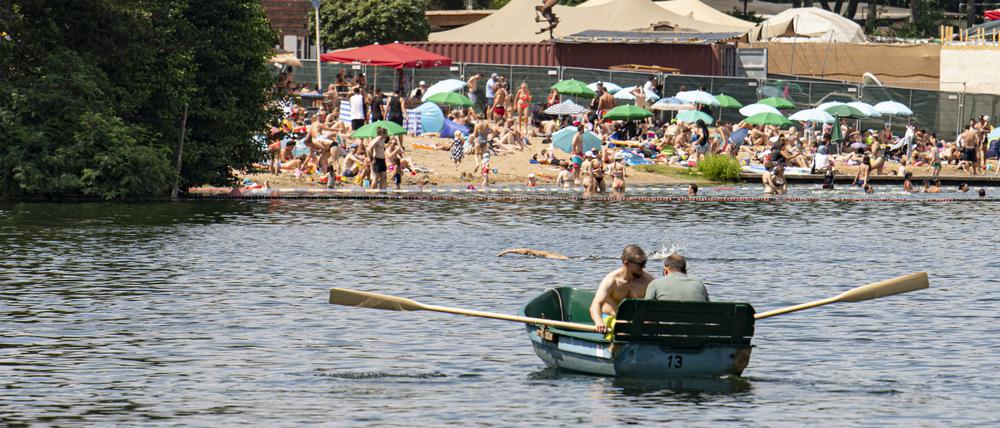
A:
x: 903, y: 284
x: 364, y: 299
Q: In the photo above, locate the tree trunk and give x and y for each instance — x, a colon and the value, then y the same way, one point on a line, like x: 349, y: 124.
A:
x: 852, y: 9
x: 824, y: 4
x: 970, y: 13
x: 914, y: 8
x: 796, y: 3
x: 837, y: 6
x: 870, y: 21
x: 807, y: 3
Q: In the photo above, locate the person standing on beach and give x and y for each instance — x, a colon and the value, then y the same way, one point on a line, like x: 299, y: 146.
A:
x: 618, y: 176
x: 378, y: 106
x: 376, y: 152
x: 472, y: 86
x: 628, y: 281
x: 396, y: 110
x: 490, y: 84
x: 499, y: 102
x: 605, y: 104
x: 357, y: 110
x: 970, y: 148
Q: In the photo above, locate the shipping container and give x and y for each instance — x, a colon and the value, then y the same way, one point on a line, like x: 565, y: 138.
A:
x: 701, y: 59
x: 493, y: 53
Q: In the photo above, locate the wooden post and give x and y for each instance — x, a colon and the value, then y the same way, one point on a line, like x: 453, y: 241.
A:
x: 180, y: 151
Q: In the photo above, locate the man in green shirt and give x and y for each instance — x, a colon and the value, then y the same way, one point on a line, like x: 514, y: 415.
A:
x: 676, y: 284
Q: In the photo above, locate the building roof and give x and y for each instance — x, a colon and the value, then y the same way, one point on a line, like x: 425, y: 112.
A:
x: 515, y: 22
x: 602, y: 36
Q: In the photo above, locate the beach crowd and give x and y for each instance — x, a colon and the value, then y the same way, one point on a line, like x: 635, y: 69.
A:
x: 504, y: 118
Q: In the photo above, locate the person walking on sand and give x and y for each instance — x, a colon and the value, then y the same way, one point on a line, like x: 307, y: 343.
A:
x: 628, y: 281
x: 486, y: 169
x: 457, y: 149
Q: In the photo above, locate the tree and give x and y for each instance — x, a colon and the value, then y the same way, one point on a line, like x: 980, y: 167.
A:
x: 91, y: 92
x: 351, y: 23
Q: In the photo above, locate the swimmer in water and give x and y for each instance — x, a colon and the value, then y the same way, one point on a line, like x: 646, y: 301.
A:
x: 534, y: 253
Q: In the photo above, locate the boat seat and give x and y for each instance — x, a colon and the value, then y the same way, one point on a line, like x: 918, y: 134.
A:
x: 684, y: 324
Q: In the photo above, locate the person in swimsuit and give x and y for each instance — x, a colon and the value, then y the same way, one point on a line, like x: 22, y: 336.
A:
x: 864, y: 172
x: 628, y: 281
x: 523, y: 102
x: 499, y: 102
x: 587, y: 174
x: 597, y: 167
x: 618, y: 175
x: 376, y: 154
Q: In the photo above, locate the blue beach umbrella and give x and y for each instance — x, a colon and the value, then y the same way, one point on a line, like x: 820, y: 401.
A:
x: 994, y: 134
x: 431, y: 117
x: 563, y: 140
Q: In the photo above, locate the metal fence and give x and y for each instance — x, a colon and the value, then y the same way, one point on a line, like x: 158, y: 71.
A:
x: 945, y: 113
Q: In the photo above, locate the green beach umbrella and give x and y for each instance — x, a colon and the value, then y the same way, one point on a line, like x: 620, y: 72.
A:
x: 573, y: 87
x: 692, y: 116
x: 726, y: 101
x: 844, y: 110
x: 451, y: 99
x: 767, y: 119
x: 370, y: 130
x: 777, y: 102
x: 628, y: 112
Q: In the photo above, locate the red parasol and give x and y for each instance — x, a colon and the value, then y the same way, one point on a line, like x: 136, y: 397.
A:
x: 395, y: 55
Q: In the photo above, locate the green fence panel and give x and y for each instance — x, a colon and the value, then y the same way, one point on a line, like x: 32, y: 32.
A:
x: 538, y: 79
x: 674, y: 83
x: 976, y: 105
x: 631, y: 78
x: 939, y: 112
x: 744, y: 90
x: 876, y: 94
x: 588, y: 75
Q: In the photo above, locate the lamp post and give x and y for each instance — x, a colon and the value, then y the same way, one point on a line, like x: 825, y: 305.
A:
x: 319, y: 72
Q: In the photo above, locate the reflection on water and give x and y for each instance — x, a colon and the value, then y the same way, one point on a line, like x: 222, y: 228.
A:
x: 214, y: 313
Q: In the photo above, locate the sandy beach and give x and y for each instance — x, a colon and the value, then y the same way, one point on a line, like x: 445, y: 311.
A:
x: 511, y: 169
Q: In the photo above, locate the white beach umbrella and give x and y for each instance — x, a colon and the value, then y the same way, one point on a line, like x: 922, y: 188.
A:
x: 565, y: 108
x: 753, y: 109
x: 671, y: 104
x: 893, y: 108
x: 447, y: 85
x: 828, y: 104
x: 812, y: 115
x: 626, y: 94
x: 698, y: 97
x: 865, y: 108
x: 611, y: 87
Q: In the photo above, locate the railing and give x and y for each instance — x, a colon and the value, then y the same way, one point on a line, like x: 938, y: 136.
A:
x: 942, y: 112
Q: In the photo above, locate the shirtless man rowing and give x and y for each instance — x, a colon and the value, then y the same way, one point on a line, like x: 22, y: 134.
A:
x: 628, y: 281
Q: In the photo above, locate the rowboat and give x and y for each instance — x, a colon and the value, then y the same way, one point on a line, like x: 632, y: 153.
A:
x: 651, y: 339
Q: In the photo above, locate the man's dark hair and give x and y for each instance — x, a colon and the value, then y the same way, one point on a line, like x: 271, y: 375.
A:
x: 982, y: 193
x: 676, y: 263
x: 357, y: 90
x: 632, y: 252
x: 693, y: 187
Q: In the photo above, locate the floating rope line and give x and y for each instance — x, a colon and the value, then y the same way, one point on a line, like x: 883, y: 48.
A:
x: 528, y: 194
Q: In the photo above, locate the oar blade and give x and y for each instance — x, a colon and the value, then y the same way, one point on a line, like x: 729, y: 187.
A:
x: 364, y: 299
x: 899, y: 285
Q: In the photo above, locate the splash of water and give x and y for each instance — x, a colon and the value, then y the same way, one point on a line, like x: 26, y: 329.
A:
x: 668, y: 248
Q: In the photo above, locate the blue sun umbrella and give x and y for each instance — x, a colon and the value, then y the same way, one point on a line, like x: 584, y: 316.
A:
x: 563, y: 140
x: 994, y: 134
x: 431, y: 117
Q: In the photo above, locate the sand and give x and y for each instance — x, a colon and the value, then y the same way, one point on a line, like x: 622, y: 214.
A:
x: 512, y: 169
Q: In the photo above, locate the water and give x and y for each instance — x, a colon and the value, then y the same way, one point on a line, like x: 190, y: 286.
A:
x: 214, y: 313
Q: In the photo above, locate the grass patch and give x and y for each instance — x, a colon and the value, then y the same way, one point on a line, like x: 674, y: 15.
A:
x: 670, y: 171
x: 720, y: 168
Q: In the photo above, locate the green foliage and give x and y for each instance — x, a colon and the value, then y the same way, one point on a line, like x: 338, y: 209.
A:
x: 720, y: 168
x: 353, y: 23
x: 91, y: 94
x: 928, y: 17
x: 749, y: 16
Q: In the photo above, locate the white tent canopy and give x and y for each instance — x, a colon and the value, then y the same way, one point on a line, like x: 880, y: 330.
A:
x: 808, y: 24
x: 697, y: 10
x: 515, y: 22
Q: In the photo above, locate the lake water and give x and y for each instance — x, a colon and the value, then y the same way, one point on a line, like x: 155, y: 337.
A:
x: 214, y: 313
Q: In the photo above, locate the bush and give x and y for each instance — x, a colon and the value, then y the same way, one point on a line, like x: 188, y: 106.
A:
x: 720, y: 168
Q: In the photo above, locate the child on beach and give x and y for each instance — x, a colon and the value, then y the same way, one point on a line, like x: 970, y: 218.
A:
x: 486, y: 169
x: 457, y: 149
